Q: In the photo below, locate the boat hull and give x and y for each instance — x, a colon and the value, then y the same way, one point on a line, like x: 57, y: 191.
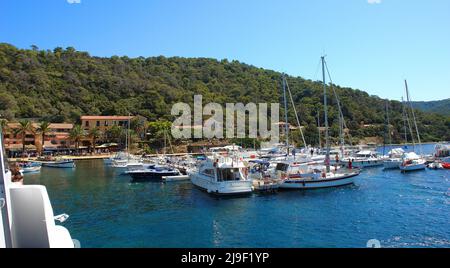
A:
x: 31, y: 169
x: 345, y: 179
x: 392, y: 164
x: 137, y: 176
x: 364, y: 163
x: 65, y: 164
x: 221, y: 188
x: 416, y: 167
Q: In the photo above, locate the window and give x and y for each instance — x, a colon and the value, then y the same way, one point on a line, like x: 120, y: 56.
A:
x: 209, y: 172
x: 106, y: 123
x: 87, y: 123
x: 228, y: 174
x: 282, y: 167
x: 98, y: 123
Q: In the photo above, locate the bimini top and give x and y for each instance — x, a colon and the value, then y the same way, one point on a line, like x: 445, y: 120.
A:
x: 411, y: 156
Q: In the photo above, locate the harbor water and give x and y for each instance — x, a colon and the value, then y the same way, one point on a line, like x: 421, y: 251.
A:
x: 106, y: 210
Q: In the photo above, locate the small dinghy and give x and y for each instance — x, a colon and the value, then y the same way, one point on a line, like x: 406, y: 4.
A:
x: 30, y: 167
x: 58, y: 163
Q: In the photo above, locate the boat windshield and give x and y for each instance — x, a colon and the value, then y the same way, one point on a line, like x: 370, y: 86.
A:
x: 228, y: 174
x: 281, y: 167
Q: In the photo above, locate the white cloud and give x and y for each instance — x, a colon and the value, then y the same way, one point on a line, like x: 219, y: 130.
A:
x: 74, y: 1
x: 374, y: 2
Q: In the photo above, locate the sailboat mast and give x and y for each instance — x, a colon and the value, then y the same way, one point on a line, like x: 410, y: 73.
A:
x: 286, y: 126
x: 327, y: 142
x: 414, y: 117
x: 404, y: 121
x: 318, y: 127
x: 388, y: 124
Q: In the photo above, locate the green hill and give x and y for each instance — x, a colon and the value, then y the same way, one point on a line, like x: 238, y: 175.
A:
x: 440, y: 106
x: 63, y: 84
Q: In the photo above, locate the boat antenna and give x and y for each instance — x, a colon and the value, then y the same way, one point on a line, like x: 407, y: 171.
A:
x: 414, y: 117
x: 327, y: 142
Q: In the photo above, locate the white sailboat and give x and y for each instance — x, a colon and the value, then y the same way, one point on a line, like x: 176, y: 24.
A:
x: 412, y: 161
x: 312, y: 175
x: 125, y: 160
x: 395, y: 155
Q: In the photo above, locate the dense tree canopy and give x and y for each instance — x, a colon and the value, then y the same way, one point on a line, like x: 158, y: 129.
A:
x: 62, y: 84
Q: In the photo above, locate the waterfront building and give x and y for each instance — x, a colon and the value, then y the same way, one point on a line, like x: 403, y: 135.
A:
x: 104, y: 122
x: 57, y: 138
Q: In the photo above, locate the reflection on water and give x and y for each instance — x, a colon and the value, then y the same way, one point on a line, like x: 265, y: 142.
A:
x: 106, y: 210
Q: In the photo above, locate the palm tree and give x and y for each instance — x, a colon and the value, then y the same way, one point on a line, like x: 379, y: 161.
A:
x: 25, y: 126
x: 44, y: 128
x: 94, y: 134
x: 76, y: 134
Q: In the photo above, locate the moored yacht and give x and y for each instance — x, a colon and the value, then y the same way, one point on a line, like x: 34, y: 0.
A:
x: 364, y: 159
x: 152, y: 173
x: 58, y: 163
x: 412, y: 162
x: 312, y: 175
x: 222, y: 176
x: 395, y: 159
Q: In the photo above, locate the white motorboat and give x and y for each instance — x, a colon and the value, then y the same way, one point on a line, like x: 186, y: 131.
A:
x: 222, y: 176
x: 62, y: 163
x: 364, y: 159
x: 412, y: 162
x: 30, y: 167
x: 116, y: 157
x: 394, y: 159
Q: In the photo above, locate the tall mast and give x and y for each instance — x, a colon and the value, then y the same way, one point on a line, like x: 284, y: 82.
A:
x: 404, y: 120
x: 327, y: 142
x: 410, y: 128
x: 286, y: 126
x: 296, y: 115
x: 387, y: 131
x: 414, y: 117
x: 342, y: 124
x: 318, y: 127
x: 128, y: 135
x: 388, y: 123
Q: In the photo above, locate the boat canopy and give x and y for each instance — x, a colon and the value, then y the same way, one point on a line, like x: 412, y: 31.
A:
x: 411, y: 156
x: 396, y: 151
x: 260, y: 161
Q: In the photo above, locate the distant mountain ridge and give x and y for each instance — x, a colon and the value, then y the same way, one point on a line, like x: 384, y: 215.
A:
x: 439, y: 107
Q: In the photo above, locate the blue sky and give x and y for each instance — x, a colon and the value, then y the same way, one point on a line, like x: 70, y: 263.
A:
x: 369, y: 46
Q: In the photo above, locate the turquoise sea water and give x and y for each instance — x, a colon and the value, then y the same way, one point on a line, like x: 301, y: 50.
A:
x: 106, y: 210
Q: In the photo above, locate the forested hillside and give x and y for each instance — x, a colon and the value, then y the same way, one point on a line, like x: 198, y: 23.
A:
x: 440, y: 106
x: 62, y: 84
